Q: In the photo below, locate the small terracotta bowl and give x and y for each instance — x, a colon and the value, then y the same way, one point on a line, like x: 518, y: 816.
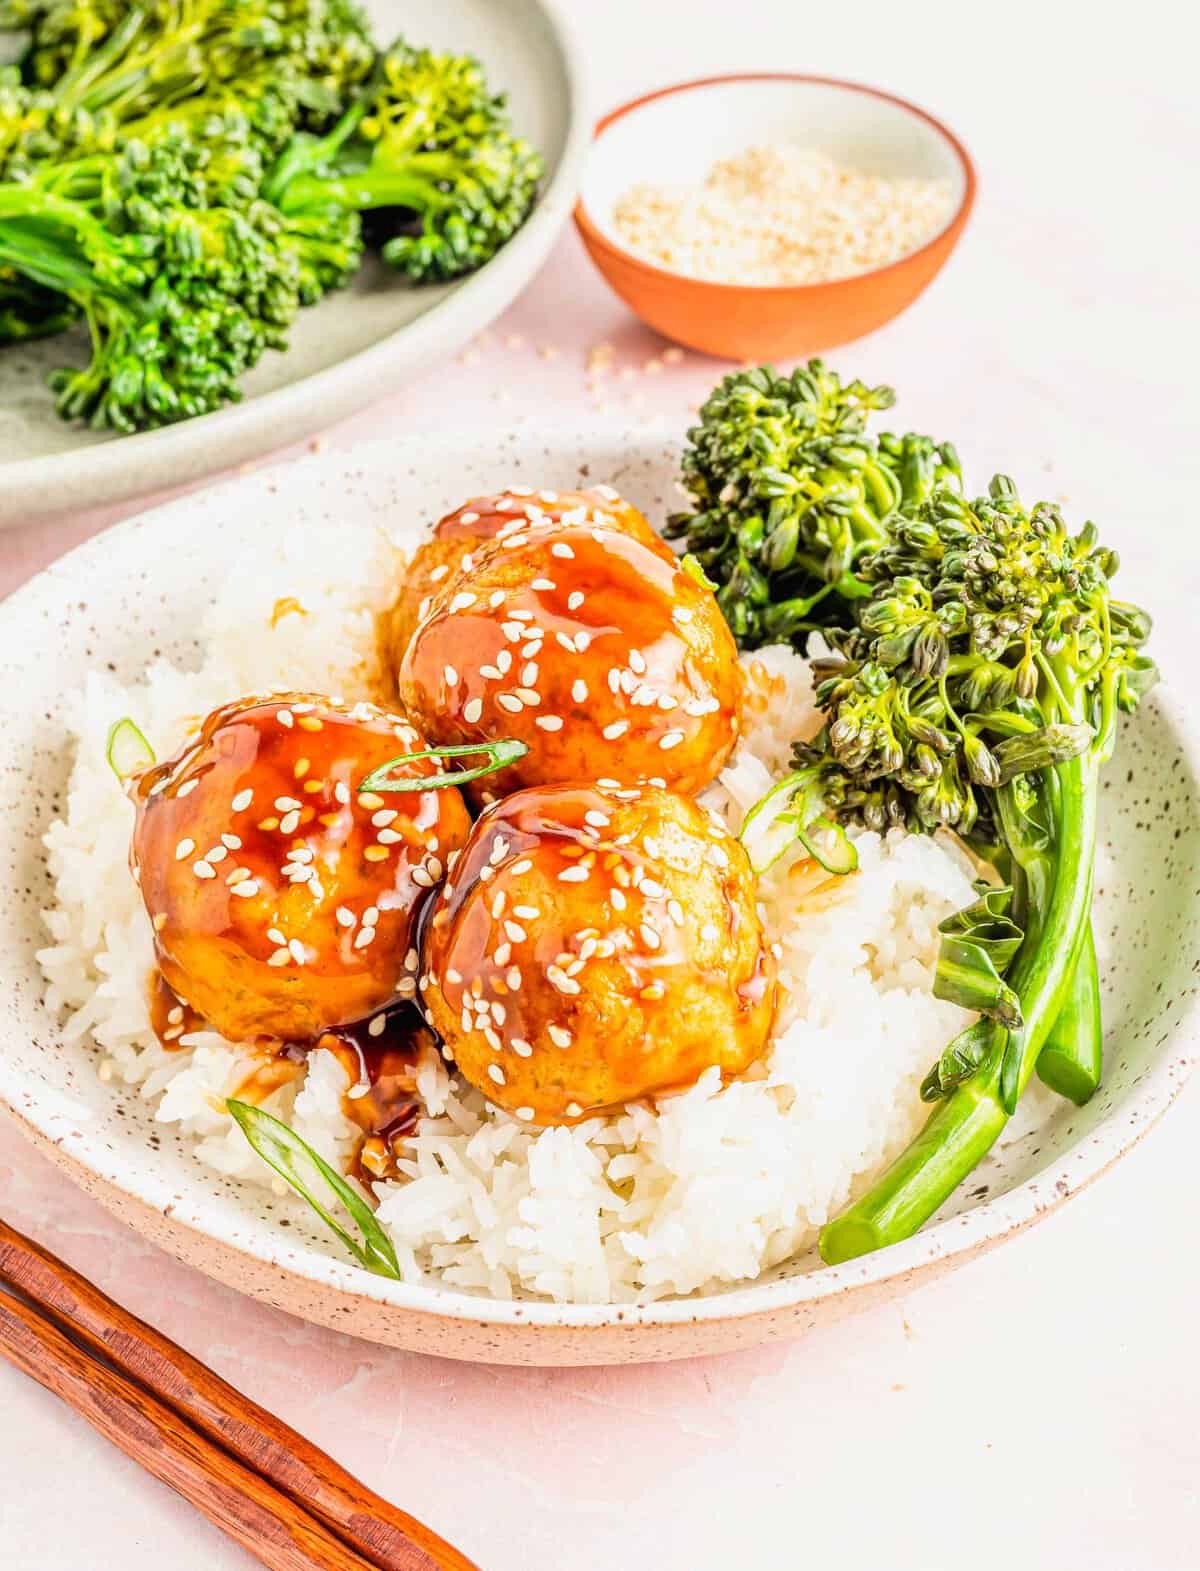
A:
x: 673, y: 136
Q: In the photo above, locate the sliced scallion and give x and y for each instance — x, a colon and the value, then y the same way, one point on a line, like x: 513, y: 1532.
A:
x: 499, y: 755
x: 127, y: 750
x: 299, y: 1165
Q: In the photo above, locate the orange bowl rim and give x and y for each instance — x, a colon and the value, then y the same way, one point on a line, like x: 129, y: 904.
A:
x: 595, y: 237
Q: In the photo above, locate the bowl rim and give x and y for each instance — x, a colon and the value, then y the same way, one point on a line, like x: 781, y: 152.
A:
x: 53, y: 1125
x: 594, y: 236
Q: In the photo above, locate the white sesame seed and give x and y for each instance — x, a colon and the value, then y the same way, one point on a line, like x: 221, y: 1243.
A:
x: 280, y: 957
x: 616, y: 729
x: 614, y: 680
x: 710, y: 932
x: 439, y: 572
x: 202, y: 869
x: 187, y: 788
x: 286, y: 804
x: 184, y: 848
x: 493, y: 673
x: 649, y: 936
x: 472, y: 710
x: 276, y: 936
x: 433, y: 865
x: 675, y: 912
x: 496, y: 599
x: 575, y: 599
x: 389, y: 837
x: 573, y: 874
x: 521, y: 1047
x: 671, y: 739
x: 377, y: 1026
x: 242, y: 800
x: 528, y: 697
x: 509, y: 702
x: 579, y: 690
x: 244, y: 890
x: 561, y: 981
x: 515, y: 932
x: 637, y: 662
x: 362, y: 938
x: 421, y: 878
x: 548, y: 722
x: 527, y: 913
x: 522, y: 616
x: 341, y: 792
x: 286, y: 718
x: 216, y: 854
x: 383, y: 817
x: 462, y: 601
x: 529, y: 674
x: 597, y: 819
x: 289, y: 822
x: 450, y: 675
x: 560, y: 548
x: 617, y: 896
x: 296, y: 950
x: 523, y: 866
x: 370, y: 916
x: 496, y: 1073
x: 232, y: 842
x: 502, y: 955
x: 559, y: 1036
x: 543, y: 584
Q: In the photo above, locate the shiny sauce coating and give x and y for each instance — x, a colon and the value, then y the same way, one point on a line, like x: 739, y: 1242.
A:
x: 281, y: 896
x: 608, y: 661
x: 593, y: 945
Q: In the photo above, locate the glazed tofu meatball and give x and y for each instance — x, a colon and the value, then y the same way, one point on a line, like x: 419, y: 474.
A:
x: 449, y: 551
x: 594, y: 945
x: 282, y: 897
x: 606, y: 660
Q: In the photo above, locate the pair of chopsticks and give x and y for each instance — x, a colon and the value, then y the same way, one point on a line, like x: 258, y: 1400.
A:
x: 244, y: 1469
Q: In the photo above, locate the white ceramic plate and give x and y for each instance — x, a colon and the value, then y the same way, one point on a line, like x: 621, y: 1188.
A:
x: 356, y: 346
x: 138, y: 590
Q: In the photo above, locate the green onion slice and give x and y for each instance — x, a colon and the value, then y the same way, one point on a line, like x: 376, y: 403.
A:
x: 791, y: 812
x: 499, y: 755
x: 299, y: 1165
x: 127, y: 750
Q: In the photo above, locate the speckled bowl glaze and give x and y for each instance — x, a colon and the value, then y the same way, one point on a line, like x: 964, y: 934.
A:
x: 356, y: 346
x: 138, y: 590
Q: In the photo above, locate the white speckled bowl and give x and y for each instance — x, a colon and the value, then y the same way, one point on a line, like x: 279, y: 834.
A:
x: 138, y: 590
x: 356, y: 346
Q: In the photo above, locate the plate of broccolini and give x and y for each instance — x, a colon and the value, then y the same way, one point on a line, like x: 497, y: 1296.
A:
x: 225, y: 223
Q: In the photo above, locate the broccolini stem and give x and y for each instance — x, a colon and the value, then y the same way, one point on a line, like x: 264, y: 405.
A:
x: 965, y: 1126
x: 1070, y: 1062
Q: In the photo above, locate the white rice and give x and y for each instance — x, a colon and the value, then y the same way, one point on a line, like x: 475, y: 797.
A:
x: 708, y: 1188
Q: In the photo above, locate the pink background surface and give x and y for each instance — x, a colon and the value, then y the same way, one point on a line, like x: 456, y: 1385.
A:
x: 1039, y: 1406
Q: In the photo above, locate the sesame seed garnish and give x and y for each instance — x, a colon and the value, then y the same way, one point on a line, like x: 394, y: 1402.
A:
x: 289, y: 822
x: 573, y: 1110
x: 675, y: 912
x: 362, y: 938
x: 286, y: 718
x: 573, y: 875
x: 529, y: 675
x: 523, y: 866
x: 439, y: 572
x: 525, y: 1114
x: 462, y: 601
x: 710, y: 932
x: 232, y: 842
x: 296, y: 950
x: 649, y: 936
x: 202, y: 869
x: 560, y: 548
x: 341, y: 793
x: 245, y: 889
x: 617, y: 896
x: 560, y: 980
x: 526, y: 913
x: 637, y: 662
x: 301, y: 767
x: 528, y: 697
x: 616, y: 729
x: 370, y: 916
x: 187, y: 788
x: 521, y: 1047
x: 544, y: 584
x: 276, y: 936
x: 216, y: 854
x: 548, y: 722
x: 671, y: 739
x: 285, y: 804
x: 502, y: 955
x: 378, y: 853
x: 370, y: 800
x: 496, y: 1073
x: 419, y: 875
x: 242, y: 800
x: 575, y: 599
x: 279, y: 957
x: 597, y: 819
x: 579, y: 690
x: 560, y: 1036
x: 515, y: 932
x: 451, y: 676
x: 509, y: 702
x: 184, y: 848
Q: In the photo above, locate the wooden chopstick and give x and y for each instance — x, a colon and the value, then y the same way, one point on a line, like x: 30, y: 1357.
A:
x: 222, y: 1421
x: 239, y: 1501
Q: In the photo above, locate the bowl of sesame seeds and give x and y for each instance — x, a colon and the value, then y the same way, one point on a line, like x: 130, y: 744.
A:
x: 764, y: 216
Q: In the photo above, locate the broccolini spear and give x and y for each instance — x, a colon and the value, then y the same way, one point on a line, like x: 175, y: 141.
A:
x: 429, y: 150
x: 981, y: 685
x: 790, y: 491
